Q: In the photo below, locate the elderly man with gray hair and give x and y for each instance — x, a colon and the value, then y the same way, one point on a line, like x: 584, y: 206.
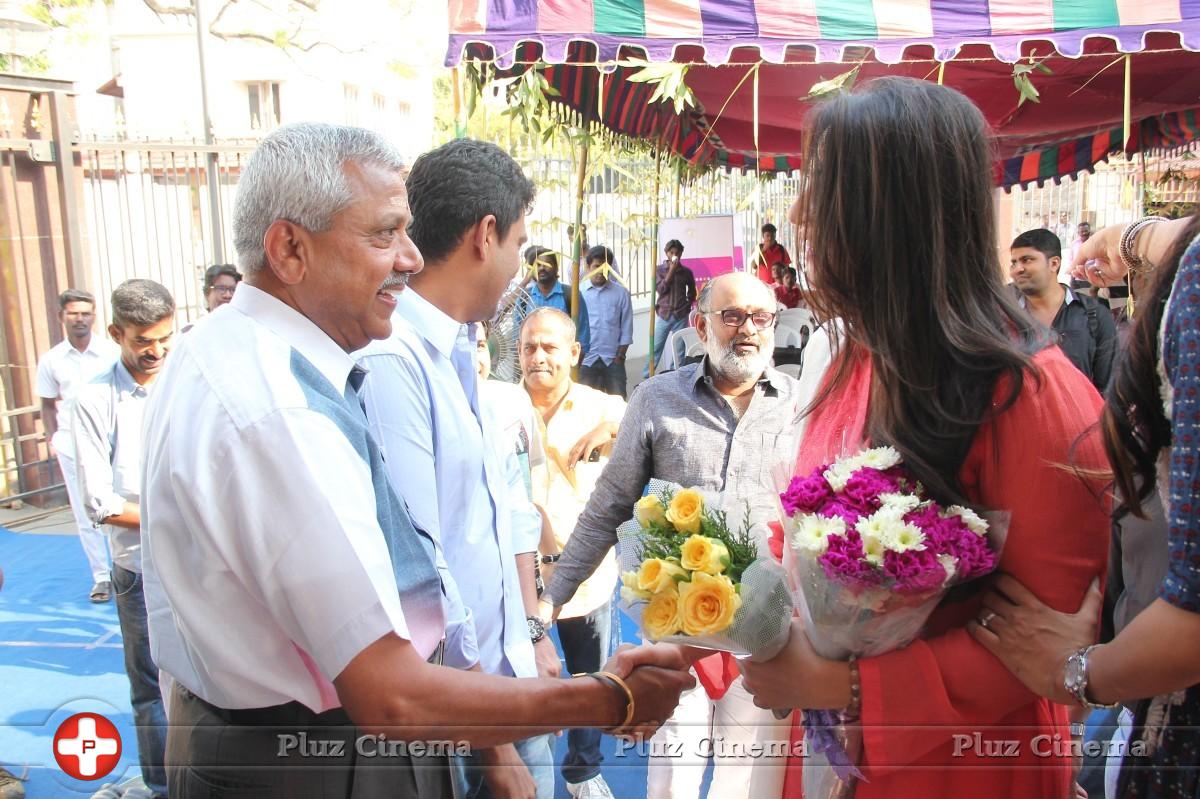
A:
x: 290, y: 595
x: 719, y: 425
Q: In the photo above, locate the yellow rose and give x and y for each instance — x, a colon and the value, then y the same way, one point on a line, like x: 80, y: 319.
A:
x: 629, y: 587
x: 650, y: 509
x: 709, y: 603
x: 657, y: 575
x: 661, y: 617
x: 704, y: 554
x: 685, y: 509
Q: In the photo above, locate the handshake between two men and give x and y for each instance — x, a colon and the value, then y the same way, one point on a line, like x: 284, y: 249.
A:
x: 390, y: 689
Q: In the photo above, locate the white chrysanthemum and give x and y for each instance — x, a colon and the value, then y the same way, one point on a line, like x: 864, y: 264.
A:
x: 879, y: 523
x: 873, y: 550
x: 880, y: 458
x: 812, y: 533
x: 899, y: 503
x: 904, y: 537
x: 974, y: 522
x: 839, y: 474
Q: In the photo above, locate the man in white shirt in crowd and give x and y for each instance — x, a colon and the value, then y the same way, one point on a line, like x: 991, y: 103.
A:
x: 298, y: 608
x: 107, y: 428
x: 66, y: 367
x: 577, y: 426
x: 459, y: 477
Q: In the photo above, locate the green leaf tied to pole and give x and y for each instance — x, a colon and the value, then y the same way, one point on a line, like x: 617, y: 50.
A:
x: 840, y: 84
x: 607, y: 270
x: 668, y: 79
x: 1023, y: 81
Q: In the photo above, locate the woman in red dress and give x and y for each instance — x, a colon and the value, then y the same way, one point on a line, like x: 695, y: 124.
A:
x: 939, y: 362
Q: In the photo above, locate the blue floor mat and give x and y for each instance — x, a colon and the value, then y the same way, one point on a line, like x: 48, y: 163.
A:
x: 60, y: 654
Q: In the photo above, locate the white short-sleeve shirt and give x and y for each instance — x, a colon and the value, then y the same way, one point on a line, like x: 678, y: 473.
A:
x: 259, y: 525
x: 63, y: 370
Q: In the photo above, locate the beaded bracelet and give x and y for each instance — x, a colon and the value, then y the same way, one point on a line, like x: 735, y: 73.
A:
x: 855, y: 707
x: 1129, y: 236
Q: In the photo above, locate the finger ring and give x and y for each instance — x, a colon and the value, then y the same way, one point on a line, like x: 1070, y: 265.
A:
x: 986, y: 619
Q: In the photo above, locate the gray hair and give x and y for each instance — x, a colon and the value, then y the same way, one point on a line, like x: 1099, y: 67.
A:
x: 141, y: 303
x: 296, y: 174
x: 546, y: 310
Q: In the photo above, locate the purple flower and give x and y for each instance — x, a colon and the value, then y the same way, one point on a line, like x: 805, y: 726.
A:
x: 915, y: 571
x: 806, y: 494
x: 865, y: 485
x: 845, y: 508
x: 975, y: 557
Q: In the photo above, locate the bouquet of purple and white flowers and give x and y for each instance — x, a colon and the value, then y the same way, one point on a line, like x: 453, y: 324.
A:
x: 871, y: 556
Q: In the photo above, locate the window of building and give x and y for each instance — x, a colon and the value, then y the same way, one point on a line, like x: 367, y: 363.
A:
x: 263, y: 100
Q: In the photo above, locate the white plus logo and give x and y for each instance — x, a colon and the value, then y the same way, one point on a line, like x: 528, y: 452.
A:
x: 95, y: 747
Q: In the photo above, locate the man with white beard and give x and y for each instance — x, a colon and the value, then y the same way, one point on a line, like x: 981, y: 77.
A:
x: 718, y: 425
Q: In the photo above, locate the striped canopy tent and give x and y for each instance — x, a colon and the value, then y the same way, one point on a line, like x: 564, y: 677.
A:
x: 1124, y: 74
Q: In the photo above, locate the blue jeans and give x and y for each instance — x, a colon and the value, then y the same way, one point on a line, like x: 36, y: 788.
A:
x: 609, y: 378
x: 662, y: 329
x: 585, y: 647
x: 148, y: 714
x: 538, y: 754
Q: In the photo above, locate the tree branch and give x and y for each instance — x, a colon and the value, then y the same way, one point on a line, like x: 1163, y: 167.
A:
x: 161, y: 10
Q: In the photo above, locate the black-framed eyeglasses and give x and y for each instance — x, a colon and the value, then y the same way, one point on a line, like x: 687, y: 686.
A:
x: 734, y: 317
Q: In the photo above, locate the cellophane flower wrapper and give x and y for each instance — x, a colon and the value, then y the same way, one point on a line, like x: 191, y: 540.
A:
x: 760, y: 627
x: 850, y: 610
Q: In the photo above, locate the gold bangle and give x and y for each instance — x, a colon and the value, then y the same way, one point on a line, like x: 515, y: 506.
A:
x: 629, y: 703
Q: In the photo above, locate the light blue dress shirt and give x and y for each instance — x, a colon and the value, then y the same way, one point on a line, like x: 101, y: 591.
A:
x: 458, y: 475
x: 610, y: 317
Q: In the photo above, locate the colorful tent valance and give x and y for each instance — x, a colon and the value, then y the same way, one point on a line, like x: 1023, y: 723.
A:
x: 741, y: 124
x: 826, y: 27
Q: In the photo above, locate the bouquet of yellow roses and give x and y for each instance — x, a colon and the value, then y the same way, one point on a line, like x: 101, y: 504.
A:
x: 686, y: 577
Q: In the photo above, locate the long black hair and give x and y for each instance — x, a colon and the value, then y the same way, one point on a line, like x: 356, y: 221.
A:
x: 1136, y: 428
x: 897, y: 213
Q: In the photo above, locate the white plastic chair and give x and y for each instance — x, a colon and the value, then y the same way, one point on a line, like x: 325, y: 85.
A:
x: 788, y: 337
x: 799, y: 319
x: 681, y: 344
x: 790, y: 369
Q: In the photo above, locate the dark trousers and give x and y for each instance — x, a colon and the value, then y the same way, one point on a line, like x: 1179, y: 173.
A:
x: 609, y: 378
x: 585, y: 649
x: 144, y: 695
x: 289, y: 752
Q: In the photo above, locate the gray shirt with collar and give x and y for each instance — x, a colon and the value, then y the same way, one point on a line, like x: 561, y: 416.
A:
x: 679, y: 428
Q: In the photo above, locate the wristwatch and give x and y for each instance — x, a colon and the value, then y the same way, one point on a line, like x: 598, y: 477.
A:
x: 548, y: 559
x: 1075, y: 679
x: 537, y: 630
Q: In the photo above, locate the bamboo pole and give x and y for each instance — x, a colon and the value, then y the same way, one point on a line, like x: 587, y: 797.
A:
x: 577, y: 239
x: 654, y: 258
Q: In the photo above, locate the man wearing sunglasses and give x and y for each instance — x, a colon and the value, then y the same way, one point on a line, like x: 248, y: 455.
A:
x: 721, y: 425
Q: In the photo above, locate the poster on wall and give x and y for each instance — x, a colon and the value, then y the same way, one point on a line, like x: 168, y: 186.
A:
x: 708, y: 247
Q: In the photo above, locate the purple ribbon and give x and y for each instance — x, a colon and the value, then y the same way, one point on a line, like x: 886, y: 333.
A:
x: 819, y: 726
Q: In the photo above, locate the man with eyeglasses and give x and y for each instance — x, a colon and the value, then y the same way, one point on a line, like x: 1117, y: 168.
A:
x: 721, y: 425
x: 220, y: 281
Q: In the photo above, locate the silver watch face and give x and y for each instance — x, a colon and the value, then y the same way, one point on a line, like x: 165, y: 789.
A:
x: 1076, y: 675
x: 536, y: 628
